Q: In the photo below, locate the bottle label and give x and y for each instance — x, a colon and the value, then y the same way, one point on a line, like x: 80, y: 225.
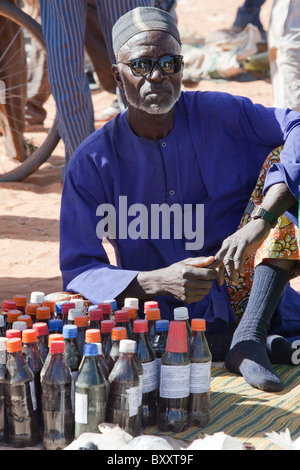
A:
x: 149, y: 376
x: 33, y: 394
x: 81, y: 408
x: 174, y: 381
x: 133, y: 400
x: 200, y: 377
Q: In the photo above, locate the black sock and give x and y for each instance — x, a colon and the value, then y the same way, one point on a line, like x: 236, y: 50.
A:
x: 248, y: 353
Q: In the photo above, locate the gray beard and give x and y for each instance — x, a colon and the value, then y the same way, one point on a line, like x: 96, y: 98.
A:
x: 153, y: 108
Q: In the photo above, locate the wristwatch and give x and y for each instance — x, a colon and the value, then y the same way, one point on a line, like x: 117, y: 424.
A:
x: 260, y: 213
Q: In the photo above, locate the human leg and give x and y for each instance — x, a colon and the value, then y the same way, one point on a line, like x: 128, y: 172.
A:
x: 249, y: 12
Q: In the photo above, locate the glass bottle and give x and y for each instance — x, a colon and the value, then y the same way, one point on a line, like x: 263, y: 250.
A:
x: 159, y: 342
x: 152, y: 315
x: 20, y: 398
x: 41, y: 329
x: 182, y: 314
x: 118, y: 333
x: 21, y: 301
x: 147, y: 357
x: 7, y: 304
x: 123, y: 399
x: 90, y: 392
x: 106, y: 329
x: 31, y: 310
x: 95, y: 317
x: 122, y: 320
x: 82, y: 323
x: 94, y: 336
x: 198, y: 404
x: 57, y: 406
x: 174, y: 380
x: 3, y: 415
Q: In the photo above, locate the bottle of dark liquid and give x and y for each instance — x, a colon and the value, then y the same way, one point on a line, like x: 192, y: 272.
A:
x: 106, y: 341
x: 7, y: 304
x: 106, y: 309
x: 72, y: 352
x: 95, y: 317
x: 117, y: 334
x: 55, y: 326
x: 132, y: 315
x: 174, y: 380
x: 63, y: 315
x: 42, y: 339
x: 147, y: 358
x: 3, y: 415
x: 122, y: 320
x: 90, y: 392
x: 56, y: 400
x: 182, y: 314
x: 52, y: 337
x: 82, y: 323
x: 159, y: 342
x: 20, y: 398
x: 198, y: 405
x: 123, y: 400
x: 152, y: 315
x: 93, y: 335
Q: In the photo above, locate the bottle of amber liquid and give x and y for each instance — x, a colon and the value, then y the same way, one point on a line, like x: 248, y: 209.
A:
x: 198, y: 405
x: 174, y: 380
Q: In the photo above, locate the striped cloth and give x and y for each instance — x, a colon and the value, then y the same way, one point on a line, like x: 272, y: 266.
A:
x: 246, y: 413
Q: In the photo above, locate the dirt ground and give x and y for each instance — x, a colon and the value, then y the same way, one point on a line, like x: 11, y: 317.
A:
x: 29, y: 210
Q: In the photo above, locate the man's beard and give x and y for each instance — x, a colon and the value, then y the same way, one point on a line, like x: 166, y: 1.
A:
x: 155, y: 108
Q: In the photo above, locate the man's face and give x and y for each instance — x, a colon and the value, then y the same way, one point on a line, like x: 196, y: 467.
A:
x: 157, y: 92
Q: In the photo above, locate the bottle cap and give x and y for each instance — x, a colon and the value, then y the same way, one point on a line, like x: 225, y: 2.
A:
x: 26, y: 319
x: 118, y: 333
x: 140, y: 326
x: 12, y: 333
x: 90, y: 349
x: 41, y: 328
x: 19, y: 325
x: 152, y: 314
x: 31, y: 308
x: 1, y: 321
x: 14, y: 345
x: 70, y: 331
x: 121, y: 316
x: 150, y: 304
x: 96, y: 314
x: 113, y: 304
x: 127, y: 346
x: 29, y: 336
x: 162, y: 325
x: 43, y: 313
x: 37, y: 297
x: 57, y: 347
x: 20, y: 300
x: 81, y: 320
x: 105, y: 307
x: 106, y: 326
x: 74, y: 312
x: 177, y: 337
x: 55, y: 337
x: 92, y: 335
x: 12, y: 315
x: 181, y: 313
x: 50, y: 304
x: 131, y: 302
x: 3, y: 344
x: 65, y: 307
x: 55, y: 324
x: 131, y: 312
x: 198, y: 324
x: 8, y: 304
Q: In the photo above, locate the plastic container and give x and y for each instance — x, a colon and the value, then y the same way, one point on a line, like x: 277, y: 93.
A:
x: 82, y: 323
x: 182, y: 314
x: 159, y: 341
x: 43, y: 314
x: 114, y: 307
x: 150, y: 304
x: 14, y: 333
x: 94, y: 336
x: 106, y: 309
x: 131, y: 302
x: 55, y: 326
x: 95, y: 317
x: 20, y: 398
x: 18, y: 325
x: 117, y: 334
x: 123, y: 400
x: 3, y: 415
x: 106, y: 341
x: 152, y: 315
x: 90, y: 392
x: 41, y: 329
x: 21, y: 301
x: 122, y: 320
x: 57, y: 408
x: 147, y: 357
x: 199, y: 400
x: 12, y: 316
x: 31, y: 310
x: 174, y: 380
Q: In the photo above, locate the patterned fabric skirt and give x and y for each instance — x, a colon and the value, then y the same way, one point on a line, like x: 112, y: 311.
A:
x: 282, y: 243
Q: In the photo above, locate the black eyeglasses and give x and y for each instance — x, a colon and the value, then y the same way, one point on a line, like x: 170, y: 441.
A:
x: 169, y: 64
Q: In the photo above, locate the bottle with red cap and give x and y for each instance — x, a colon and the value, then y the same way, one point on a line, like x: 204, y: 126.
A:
x: 21, y: 301
x: 82, y: 323
x: 94, y: 336
x: 95, y: 317
x: 106, y: 341
x: 198, y: 405
x: 118, y: 333
x: 150, y: 304
x: 3, y: 414
x: 57, y: 406
x: 123, y: 399
x: 7, y: 304
x: 41, y: 329
x: 174, y: 380
x: 63, y: 315
x: 122, y: 320
x: 14, y: 333
x: 20, y: 398
x: 52, y: 337
x: 90, y: 392
x: 182, y: 314
x: 152, y: 315
x: 147, y: 357
x: 106, y: 309
x: 114, y: 307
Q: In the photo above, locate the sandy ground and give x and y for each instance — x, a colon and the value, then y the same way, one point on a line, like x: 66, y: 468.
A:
x: 29, y: 210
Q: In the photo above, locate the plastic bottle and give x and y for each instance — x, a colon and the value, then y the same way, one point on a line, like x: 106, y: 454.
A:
x: 43, y: 315
x: 58, y: 413
x: 30, y: 350
x: 150, y: 304
x: 26, y: 319
x: 152, y: 315
x: 159, y: 342
x: 12, y: 316
x: 72, y: 313
x: 3, y: 415
x: 122, y: 320
x: 20, y: 398
x: 63, y: 315
x: 41, y: 329
x: 123, y: 400
x: 182, y: 314
x: 174, y: 380
x: 198, y: 404
x: 114, y: 307
x: 131, y: 302
x: 13, y: 333
x: 7, y: 304
x: 94, y: 336
x: 117, y: 334
x: 106, y: 309
x: 106, y: 329
x: 72, y: 353
x: 31, y: 310
x: 147, y: 358
x: 51, y: 305
x: 2, y: 327
x: 95, y: 317
x: 55, y: 326
x: 21, y: 301
x: 132, y: 315
x: 82, y: 323
x: 90, y: 392
x: 52, y: 337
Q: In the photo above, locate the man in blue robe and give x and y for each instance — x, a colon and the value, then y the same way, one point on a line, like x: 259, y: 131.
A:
x: 167, y: 181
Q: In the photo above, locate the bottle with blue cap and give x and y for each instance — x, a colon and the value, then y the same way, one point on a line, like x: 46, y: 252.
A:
x: 55, y: 326
x: 159, y: 341
x: 72, y: 353
x: 90, y: 392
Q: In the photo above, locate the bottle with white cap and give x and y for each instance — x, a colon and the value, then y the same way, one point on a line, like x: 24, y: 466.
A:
x: 72, y: 313
x: 3, y: 416
x: 123, y: 401
x: 37, y: 297
x: 182, y: 314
